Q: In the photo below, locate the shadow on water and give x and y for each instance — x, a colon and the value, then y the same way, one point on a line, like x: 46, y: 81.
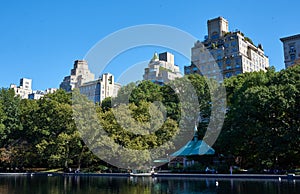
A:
x: 141, y: 185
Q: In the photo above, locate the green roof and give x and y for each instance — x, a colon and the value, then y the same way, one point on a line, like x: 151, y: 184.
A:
x: 155, y: 57
x: 194, y: 147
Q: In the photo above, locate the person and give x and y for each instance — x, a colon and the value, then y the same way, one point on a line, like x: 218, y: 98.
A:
x: 207, y: 169
x: 77, y: 170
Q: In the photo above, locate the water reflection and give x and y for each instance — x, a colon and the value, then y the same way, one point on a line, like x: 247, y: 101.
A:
x: 140, y: 185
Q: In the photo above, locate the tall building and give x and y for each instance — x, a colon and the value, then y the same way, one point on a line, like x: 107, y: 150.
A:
x: 79, y: 75
x: 24, y: 89
x: 161, y: 69
x: 231, y: 52
x: 99, y: 89
x: 291, y: 49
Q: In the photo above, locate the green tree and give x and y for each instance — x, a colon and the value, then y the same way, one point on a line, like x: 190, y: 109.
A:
x: 13, y: 127
x: 106, y: 104
x: 261, y: 129
x: 2, y: 118
x: 58, y: 142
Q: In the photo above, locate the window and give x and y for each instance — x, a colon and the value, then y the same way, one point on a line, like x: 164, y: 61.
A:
x: 220, y: 64
x: 229, y: 74
x: 228, y: 67
x: 215, y: 36
x: 292, y: 48
x: 228, y: 61
x: 293, y: 57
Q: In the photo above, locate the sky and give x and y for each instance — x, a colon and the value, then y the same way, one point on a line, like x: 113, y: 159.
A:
x: 42, y: 39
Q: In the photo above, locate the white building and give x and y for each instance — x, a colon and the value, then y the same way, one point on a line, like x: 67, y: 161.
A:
x: 79, y: 75
x: 117, y: 87
x: 231, y: 52
x: 162, y: 69
x: 24, y: 89
x: 291, y: 49
x: 37, y: 94
x: 101, y: 88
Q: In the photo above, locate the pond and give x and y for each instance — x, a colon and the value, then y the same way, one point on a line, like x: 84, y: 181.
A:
x: 141, y: 185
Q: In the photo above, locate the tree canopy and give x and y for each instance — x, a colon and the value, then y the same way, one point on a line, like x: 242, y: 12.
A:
x: 261, y: 128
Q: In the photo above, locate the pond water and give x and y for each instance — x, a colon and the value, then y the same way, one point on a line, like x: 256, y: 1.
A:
x: 141, y: 185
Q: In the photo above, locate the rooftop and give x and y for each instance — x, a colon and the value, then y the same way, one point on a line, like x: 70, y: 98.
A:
x: 297, y: 36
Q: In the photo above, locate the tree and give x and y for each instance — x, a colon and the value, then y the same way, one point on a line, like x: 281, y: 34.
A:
x: 11, y: 121
x: 2, y: 119
x: 58, y: 142
x: 106, y: 103
x: 261, y: 129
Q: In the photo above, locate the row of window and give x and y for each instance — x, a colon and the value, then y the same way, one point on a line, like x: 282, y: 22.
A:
x: 233, y: 44
x: 230, y: 74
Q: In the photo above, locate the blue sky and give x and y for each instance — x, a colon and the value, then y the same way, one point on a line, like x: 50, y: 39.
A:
x: 41, y: 39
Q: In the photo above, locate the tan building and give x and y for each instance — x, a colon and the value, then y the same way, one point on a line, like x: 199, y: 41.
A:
x: 79, y: 75
x: 291, y: 49
x: 162, y: 69
x: 101, y: 88
x: 231, y: 52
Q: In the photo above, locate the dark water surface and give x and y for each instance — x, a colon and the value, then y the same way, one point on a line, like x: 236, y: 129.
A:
x: 140, y: 185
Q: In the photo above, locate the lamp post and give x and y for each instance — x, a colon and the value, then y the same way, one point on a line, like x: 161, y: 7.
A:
x: 168, y: 159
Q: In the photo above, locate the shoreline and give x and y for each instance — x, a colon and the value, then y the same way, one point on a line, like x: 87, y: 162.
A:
x: 163, y: 175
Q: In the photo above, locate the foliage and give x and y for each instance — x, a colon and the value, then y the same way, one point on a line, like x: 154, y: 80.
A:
x: 262, y: 125
x: 249, y: 40
x: 261, y: 129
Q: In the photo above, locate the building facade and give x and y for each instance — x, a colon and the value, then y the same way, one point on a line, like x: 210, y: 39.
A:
x: 291, y: 49
x: 24, y: 89
x: 101, y: 88
x: 79, y: 75
x: 162, y: 69
x: 37, y: 94
x: 224, y: 54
